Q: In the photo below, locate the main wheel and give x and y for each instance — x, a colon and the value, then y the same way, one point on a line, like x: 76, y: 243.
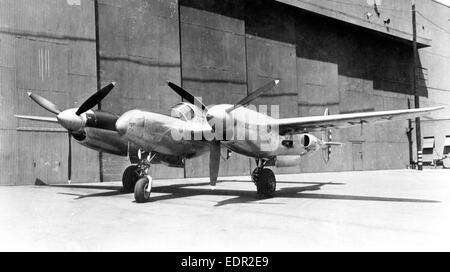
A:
x: 129, y: 178
x: 141, y: 194
x: 266, y: 183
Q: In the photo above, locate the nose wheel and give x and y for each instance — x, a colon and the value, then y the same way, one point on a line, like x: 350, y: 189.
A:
x: 142, y: 189
x: 264, y: 180
x: 136, y: 178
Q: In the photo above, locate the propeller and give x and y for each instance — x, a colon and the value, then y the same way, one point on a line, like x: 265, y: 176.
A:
x: 96, y: 98
x: 69, y: 159
x: 38, y: 118
x: 214, y: 163
x: 186, y: 95
x: 214, y: 149
x: 252, y: 96
x: 243, y: 102
x: 70, y: 119
x: 214, y: 154
x: 46, y: 104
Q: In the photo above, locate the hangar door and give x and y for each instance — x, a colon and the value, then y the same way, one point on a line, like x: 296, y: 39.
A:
x: 42, y: 68
x: 428, y: 149
x: 357, y: 155
x: 446, y: 145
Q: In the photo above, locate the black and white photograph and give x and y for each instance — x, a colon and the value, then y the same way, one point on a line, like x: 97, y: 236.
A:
x: 224, y: 126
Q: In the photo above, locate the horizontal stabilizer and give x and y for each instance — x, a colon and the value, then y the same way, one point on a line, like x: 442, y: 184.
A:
x: 332, y: 143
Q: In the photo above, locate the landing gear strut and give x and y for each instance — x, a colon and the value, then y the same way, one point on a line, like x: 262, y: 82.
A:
x: 143, y: 186
x: 264, y: 179
x: 136, y: 178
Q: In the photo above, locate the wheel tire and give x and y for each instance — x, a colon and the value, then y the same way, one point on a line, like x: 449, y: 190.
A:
x: 129, y: 178
x: 266, y: 183
x: 255, y: 175
x: 140, y: 193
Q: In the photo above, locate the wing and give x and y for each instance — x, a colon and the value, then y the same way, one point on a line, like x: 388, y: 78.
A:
x: 317, y: 123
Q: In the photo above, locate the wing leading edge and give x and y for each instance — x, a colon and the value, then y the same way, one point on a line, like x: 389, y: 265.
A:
x: 317, y: 123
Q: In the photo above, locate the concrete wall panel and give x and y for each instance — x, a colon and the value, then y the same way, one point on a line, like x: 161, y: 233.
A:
x: 42, y: 65
x: 139, y: 49
x: 44, y: 163
x: 7, y: 50
x: 45, y: 47
x: 268, y: 60
x: 9, y: 159
x: 213, y: 67
x: 227, y: 50
x: 8, y: 97
x: 271, y: 54
x: 80, y: 63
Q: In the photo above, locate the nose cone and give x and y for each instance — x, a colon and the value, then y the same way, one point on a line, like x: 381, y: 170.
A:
x: 69, y: 120
x: 127, y: 120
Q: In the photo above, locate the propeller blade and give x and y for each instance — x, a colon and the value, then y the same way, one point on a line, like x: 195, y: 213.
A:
x: 214, y: 162
x: 95, y: 98
x: 38, y: 118
x: 69, y: 160
x: 249, y: 98
x: 186, y: 95
x: 46, y: 104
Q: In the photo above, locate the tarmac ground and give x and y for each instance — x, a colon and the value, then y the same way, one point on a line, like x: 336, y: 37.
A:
x: 395, y: 210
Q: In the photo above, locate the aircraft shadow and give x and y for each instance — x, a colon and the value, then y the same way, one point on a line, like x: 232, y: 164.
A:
x: 80, y: 196
x: 182, y: 190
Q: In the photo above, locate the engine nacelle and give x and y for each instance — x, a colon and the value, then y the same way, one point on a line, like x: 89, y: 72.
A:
x: 287, y: 160
x: 299, y: 144
x: 309, y: 142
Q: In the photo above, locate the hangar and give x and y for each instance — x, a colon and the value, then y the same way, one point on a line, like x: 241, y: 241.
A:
x: 345, y: 55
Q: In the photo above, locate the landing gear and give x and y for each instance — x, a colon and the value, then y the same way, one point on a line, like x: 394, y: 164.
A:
x: 129, y: 178
x: 264, y: 179
x: 142, y: 189
x: 136, y: 178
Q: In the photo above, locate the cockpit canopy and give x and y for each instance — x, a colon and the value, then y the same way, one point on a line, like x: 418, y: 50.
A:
x: 185, y: 111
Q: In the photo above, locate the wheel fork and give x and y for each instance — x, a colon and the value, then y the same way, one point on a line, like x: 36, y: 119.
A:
x: 260, y: 163
x: 144, y: 168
